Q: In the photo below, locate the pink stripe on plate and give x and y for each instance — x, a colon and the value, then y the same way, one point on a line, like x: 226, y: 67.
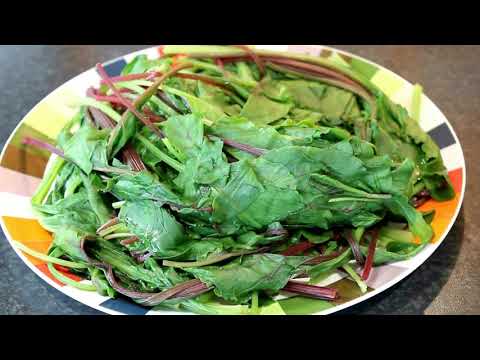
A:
x: 15, y: 182
x: 382, y: 274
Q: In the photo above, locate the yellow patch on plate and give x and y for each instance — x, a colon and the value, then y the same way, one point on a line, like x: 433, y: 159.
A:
x: 51, y: 115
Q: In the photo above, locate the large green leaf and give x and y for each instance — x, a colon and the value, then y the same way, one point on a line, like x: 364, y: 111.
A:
x: 158, y: 231
x: 237, y: 281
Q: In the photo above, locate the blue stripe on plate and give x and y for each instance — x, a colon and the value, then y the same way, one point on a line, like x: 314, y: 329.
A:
x: 125, y: 306
x: 115, y: 68
x: 442, y: 136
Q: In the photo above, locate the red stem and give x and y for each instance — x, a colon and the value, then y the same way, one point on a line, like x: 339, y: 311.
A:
x: 297, y: 249
x: 100, y: 118
x: 111, y: 99
x: 43, y: 145
x: 108, y: 224
x: 155, y: 118
x: 370, y: 256
x: 311, y: 68
x: 131, y: 157
x: 322, y: 258
x: 258, y: 61
x: 147, y: 75
x: 247, y: 148
x: 124, y: 291
x: 357, y: 254
x: 219, y: 63
x: 317, y: 292
x: 103, y: 74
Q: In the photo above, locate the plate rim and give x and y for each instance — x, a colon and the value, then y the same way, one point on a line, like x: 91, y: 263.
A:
x: 421, y: 257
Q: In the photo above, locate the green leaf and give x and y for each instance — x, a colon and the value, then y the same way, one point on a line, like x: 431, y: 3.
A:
x: 258, y: 193
x: 383, y: 256
x: 142, y: 186
x: 158, y: 231
x: 237, y: 280
x: 246, y: 132
x: 68, y: 240
x: 87, y: 148
x: 399, y: 205
x: 261, y: 110
x: 101, y: 283
x: 401, y: 137
x: 330, y: 265
x: 73, y: 211
x: 96, y: 202
x: 185, y: 133
x: 199, y: 107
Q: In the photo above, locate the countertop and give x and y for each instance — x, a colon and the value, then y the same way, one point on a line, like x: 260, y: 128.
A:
x: 447, y: 283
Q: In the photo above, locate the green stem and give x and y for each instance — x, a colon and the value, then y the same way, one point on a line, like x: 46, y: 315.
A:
x: 353, y: 274
x: 172, y: 150
x: 157, y: 152
x: 139, y: 90
x: 416, y: 102
x: 241, y: 91
x: 244, y: 71
x: 208, y: 261
x: 48, y: 258
x: 47, y: 181
x: 67, y: 281
x: 358, y: 233
x: 254, y: 309
x: 113, y: 228
x: 102, y: 107
x: 326, y: 180
x: 228, y: 77
x: 118, y: 204
x: 334, y: 200
x: 118, y: 235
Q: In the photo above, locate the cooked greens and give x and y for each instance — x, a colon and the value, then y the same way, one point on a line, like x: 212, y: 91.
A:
x: 210, y: 178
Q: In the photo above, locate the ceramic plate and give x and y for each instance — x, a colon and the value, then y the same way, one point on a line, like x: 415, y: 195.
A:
x: 21, y: 169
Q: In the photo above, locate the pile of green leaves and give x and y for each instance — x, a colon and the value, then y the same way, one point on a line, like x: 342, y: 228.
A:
x: 248, y: 166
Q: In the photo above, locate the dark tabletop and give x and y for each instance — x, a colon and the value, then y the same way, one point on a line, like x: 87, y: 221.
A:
x: 447, y: 283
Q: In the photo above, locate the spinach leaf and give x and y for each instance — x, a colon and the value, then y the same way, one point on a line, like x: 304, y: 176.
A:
x: 399, y: 205
x: 141, y: 64
x: 142, y: 186
x: 185, y: 133
x: 69, y: 240
x: 205, y: 163
x: 237, y: 280
x: 401, y: 137
x: 246, y: 132
x: 87, y: 148
x: 258, y: 193
x: 261, y: 110
x: 94, y: 198
x: 198, y: 106
x: 329, y: 265
x: 157, y: 230
x: 73, y: 212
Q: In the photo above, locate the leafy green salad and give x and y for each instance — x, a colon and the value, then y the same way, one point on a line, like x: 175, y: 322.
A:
x: 215, y: 179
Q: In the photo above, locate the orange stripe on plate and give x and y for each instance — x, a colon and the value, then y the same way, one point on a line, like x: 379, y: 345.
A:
x: 44, y: 269
x: 22, y: 161
x: 445, y: 210
x: 30, y: 233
